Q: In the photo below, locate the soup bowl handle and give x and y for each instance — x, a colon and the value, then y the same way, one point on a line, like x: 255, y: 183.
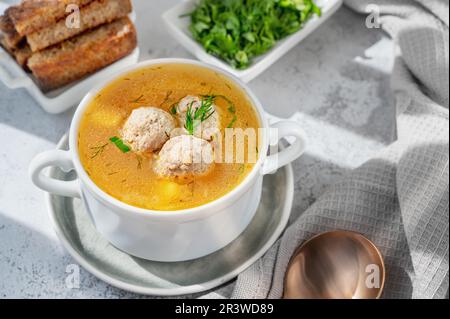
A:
x: 279, y: 131
x: 58, y: 158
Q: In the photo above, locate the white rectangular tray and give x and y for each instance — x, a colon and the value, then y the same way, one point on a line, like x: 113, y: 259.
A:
x: 57, y: 101
x: 179, y: 29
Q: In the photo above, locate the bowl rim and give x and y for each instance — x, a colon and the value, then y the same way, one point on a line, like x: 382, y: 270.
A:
x: 198, y: 212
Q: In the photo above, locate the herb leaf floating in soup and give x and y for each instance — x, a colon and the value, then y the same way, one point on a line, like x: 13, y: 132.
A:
x: 173, y: 109
x: 162, y: 177
x: 232, y: 122
x: 120, y: 144
x: 98, y: 150
x: 239, y: 30
x: 231, y: 107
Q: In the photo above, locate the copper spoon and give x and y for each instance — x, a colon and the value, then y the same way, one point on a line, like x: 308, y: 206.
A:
x: 335, y: 265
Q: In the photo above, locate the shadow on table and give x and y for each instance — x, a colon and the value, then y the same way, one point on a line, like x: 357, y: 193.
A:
x: 339, y: 74
x: 20, y: 111
x: 33, y: 265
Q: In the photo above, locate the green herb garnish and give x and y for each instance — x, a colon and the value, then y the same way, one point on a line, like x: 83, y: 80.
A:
x: 201, y: 114
x: 139, y: 99
x: 173, y: 109
x: 120, y: 144
x: 237, y: 31
x: 231, y: 107
x: 98, y: 150
x: 139, y: 160
x: 168, y: 94
x: 189, y: 125
x: 232, y: 122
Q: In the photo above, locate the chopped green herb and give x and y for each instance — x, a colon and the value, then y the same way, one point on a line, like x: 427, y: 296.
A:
x: 191, y: 186
x: 232, y: 122
x: 139, y: 159
x: 201, y: 114
x: 139, y: 99
x: 120, y: 144
x: 189, y: 125
x: 173, y: 109
x: 206, y: 109
x: 231, y: 107
x: 98, y: 150
x: 237, y: 31
x: 168, y: 94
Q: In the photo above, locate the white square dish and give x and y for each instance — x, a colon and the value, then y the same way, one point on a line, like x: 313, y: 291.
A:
x: 57, y: 101
x: 179, y: 29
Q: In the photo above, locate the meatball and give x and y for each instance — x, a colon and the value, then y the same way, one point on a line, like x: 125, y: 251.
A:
x: 185, y: 156
x: 206, y: 129
x: 147, y: 129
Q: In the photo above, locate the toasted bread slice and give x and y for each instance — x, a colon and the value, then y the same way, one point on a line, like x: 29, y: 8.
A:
x: 5, y: 45
x: 75, y: 58
x: 33, y: 15
x: 6, y: 24
x: 92, y: 15
x: 21, y: 53
x: 10, y: 37
x: 13, y: 40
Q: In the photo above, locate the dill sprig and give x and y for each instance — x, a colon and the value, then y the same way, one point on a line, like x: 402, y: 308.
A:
x: 201, y: 114
x: 139, y: 160
x: 98, y: 150
x: 140, y: 99
x: 167, y: 98
x: 189, y: 125
x: 231, y: 107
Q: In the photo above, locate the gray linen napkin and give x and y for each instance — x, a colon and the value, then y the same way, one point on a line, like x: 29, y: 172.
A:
x: 399, y: 199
